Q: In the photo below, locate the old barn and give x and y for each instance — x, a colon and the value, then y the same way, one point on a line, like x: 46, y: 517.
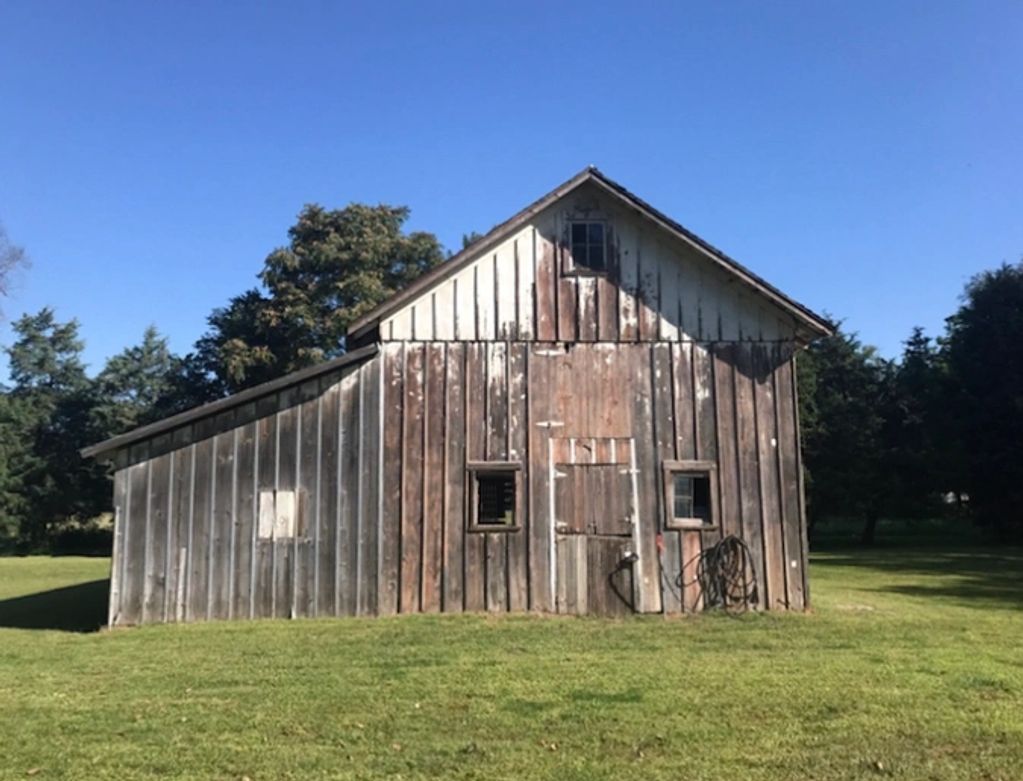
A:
x: 560, y: 418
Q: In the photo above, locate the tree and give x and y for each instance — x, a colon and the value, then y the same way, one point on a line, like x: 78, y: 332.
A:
x: 468, y: 239
x: 135, y: 385
x: 841, y: 390
x: 338, y: 265
x: 984, y: 356
x: 12, y: 257
x: 912, y: 434
x: 46, y: 420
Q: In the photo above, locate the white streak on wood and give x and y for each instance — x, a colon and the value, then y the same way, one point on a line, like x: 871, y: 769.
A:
x: 505, y: 285
x: 444, y: 305
x: 526, y: 263
x: 485, y: 299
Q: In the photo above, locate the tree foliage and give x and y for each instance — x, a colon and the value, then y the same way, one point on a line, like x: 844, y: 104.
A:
x: 12, y: 258
x: 984, y: 355
x: 338, y: 265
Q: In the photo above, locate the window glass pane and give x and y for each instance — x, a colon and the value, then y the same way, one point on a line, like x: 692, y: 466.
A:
x: 588, y: 245
x: 683, y: 490
x: 495, y: 499
x: 701, y: 498
x: 579, y: 253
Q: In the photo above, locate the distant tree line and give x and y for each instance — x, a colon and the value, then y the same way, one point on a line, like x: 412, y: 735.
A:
x: 938, y: 431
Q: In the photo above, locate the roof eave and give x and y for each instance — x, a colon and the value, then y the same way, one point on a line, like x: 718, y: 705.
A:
x: 151, y: 430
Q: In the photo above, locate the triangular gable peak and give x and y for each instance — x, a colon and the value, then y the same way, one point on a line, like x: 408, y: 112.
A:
x: 649, y: 280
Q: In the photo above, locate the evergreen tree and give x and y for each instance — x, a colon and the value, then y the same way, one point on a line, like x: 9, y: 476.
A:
x: 984, y: 357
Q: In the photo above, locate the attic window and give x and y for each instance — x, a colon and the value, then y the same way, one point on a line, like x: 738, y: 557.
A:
x: 589, y: 248
x: 494, y: 490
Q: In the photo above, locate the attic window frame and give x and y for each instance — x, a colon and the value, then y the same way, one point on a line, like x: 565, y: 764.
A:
x: 473, y: 471
x: 574, y: 268
x: 691, y: 468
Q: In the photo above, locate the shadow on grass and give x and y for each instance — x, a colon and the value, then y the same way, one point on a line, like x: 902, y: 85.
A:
x: 78, y: 608
x: 975, y: 577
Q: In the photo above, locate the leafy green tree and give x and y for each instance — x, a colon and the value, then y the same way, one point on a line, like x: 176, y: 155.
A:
x: 338, y: 265
x: 842, y: 385
x: 983, y: 350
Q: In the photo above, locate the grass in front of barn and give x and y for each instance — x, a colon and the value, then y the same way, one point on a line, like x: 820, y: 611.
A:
x: 910, y: 668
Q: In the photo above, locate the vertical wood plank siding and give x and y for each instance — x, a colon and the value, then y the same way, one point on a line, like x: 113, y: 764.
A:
x: 527, y: 289
x: 376, y: 455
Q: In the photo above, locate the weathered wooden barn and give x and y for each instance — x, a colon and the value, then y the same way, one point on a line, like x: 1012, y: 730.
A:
x: 559, y: 418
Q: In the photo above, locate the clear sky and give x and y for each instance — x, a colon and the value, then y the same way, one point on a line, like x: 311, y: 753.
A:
x: 865, y: 157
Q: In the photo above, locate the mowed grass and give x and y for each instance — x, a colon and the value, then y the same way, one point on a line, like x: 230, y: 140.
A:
x: 911, y: 667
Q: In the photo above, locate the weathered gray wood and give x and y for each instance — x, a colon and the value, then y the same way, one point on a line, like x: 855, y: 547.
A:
x: 327, y: 499
x: 540, y: 426
x: 348, y: 505
x: 706, y: 423
x: 118, y: 555
x: 369, y: 490
x: 804, y: 544
x: 475, y: 445
x: 308, y: 500
x: 202, y: 511
x: 157, y: 522
x: 266, y: 480
x: 454, y: 479
x: 728, y: 465
x: 393, y: 460
x: 287, y: 465
x: 671, y: 561
x: 665, y: 433
x: 608, y: 583
x: 787, y: 482
x: 134, y: 540
x: 496, y: 360
x: 546, y: 288
x: 770, y: 491
x: 567, y: 302
x: 222, y: 530
x: 412, y: 483
x: 518, y: 445
x: 433, y: 478
x: 749, y: 482
x: 573, y: 574
x: 647, y: 581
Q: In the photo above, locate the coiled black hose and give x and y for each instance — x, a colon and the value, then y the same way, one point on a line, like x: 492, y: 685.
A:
x: 726, y: 575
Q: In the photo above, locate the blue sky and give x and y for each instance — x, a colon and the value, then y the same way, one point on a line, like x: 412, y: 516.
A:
x: 864, y: 157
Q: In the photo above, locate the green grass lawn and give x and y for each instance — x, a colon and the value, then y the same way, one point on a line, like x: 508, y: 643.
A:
x: 911, y: 667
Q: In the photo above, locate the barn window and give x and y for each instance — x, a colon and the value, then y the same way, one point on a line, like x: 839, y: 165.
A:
x: 277, y: 515
x: 589, y: 246
x: 690, y: 494
x: 493, y: 496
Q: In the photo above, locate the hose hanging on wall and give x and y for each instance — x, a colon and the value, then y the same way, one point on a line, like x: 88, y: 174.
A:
x: 726, y: 575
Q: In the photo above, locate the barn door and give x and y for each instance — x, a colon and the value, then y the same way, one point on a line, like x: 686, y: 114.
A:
x: 594, y: 512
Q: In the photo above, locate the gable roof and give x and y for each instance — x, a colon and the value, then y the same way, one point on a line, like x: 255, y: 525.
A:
x: 816, y: 324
